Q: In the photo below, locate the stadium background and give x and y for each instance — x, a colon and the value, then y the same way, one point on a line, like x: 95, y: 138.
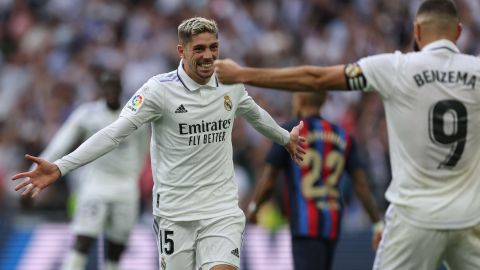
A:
x: 52, y: 50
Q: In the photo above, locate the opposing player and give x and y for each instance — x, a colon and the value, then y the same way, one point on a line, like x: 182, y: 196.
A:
x: 108, y: 195
x: 432, y: 106
x: 195, y: 204
x: 314, y: 204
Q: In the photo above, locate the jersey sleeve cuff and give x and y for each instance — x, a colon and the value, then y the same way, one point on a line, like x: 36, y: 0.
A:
x: 63, y: 170
x: 285, y: 137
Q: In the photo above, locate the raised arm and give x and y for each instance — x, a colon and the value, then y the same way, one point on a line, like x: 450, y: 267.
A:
x: 96, y: 146
x: 294, y: 79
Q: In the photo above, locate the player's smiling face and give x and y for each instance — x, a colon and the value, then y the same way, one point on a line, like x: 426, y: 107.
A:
x: 198, y: 56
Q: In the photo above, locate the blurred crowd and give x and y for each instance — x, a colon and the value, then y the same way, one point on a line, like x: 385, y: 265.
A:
x: 51, y: 52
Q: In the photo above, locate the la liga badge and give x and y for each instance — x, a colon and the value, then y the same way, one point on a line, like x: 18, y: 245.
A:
x: 135, y: 103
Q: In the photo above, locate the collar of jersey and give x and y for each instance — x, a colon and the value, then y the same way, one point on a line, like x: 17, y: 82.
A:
x: 441, y: 44
x: 192, y: 85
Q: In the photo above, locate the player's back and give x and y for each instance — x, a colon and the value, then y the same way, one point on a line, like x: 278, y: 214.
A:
x: 432, y: 104
x: 439, y: 101
x: 314, y: 197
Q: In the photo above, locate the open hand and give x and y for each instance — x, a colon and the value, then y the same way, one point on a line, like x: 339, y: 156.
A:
x: 295, y: 144
x: 39, y: 178
x: 227, y: 71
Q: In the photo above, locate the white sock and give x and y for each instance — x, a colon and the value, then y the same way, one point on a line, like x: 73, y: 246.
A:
x: 75, y: 261
x: 111, y: 265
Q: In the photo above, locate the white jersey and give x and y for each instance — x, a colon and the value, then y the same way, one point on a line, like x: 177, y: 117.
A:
x: 432, y: 106
x: 191, y: 146
x: 113, y: 176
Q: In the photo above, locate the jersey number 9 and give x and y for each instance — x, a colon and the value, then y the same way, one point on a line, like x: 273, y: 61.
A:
x: 457, y: 137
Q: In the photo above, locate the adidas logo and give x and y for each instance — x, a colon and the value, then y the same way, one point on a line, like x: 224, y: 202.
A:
x: 235, y: 253
x: 181, y: 109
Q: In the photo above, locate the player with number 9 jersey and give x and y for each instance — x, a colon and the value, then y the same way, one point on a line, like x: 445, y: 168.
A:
x: 432, y: 107
x: 432, y: 103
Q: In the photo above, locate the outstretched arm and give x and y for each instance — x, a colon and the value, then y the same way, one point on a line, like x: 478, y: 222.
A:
x: 96, y: 146
x: 301, y: 78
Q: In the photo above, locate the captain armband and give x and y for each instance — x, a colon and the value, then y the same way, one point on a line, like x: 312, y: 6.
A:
x: 355, y: 78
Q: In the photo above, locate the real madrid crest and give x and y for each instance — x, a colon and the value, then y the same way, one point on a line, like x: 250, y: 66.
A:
x: 227, y: 103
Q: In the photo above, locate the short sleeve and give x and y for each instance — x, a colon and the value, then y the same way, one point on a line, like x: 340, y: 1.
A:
x: 145, y: 105
x: 380, y: 72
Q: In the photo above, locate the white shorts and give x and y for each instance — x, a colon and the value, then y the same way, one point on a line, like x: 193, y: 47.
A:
x: 408, y: 247
x: 96, y: 215
x: 185, y: 245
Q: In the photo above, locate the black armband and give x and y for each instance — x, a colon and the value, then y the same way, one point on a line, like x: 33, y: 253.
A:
x: 355, y: 78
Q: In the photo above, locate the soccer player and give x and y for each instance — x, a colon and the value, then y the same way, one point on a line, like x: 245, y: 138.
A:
x: 314, y: 198
x: 108, y: 195
x: 432, y: 106
x: 195, y: 201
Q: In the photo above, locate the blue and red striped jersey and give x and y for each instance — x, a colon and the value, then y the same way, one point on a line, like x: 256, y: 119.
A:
x: 314, y: 199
